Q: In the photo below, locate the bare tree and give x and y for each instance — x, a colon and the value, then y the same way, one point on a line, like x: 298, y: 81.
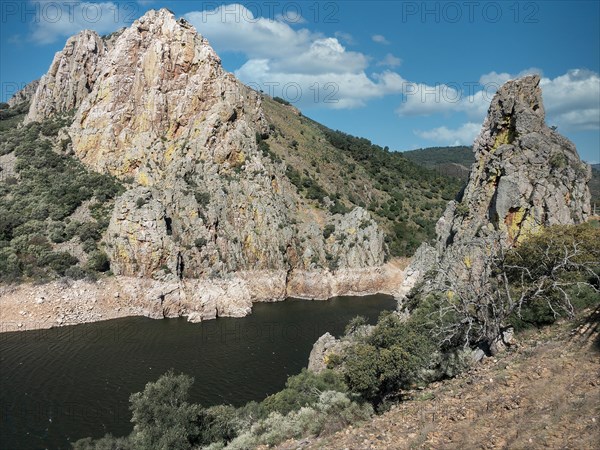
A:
x: 481, y: 284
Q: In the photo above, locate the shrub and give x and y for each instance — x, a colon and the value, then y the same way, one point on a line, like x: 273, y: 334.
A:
x: 98, y: 262
x: 328, y: 230
x: 389, y: 359
x: 282, y: 101
x: 162, y: 417
x: 303, y: 389
x: 203, y: 198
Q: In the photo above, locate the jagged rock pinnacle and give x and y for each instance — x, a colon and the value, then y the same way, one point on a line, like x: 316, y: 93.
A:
x: 70, y: 78
x: 526, y: 177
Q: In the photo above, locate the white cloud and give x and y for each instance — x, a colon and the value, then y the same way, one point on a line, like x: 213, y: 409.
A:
x: 572, y: 100
x: 421, y: 99
x: 58, y: 20
x: 380, y: 39
x: 332, y: 90
x: 390, y: 61
x: 234, y: 28
x: 297, y: 64
x: 463, y: 135
x: 346, y: 38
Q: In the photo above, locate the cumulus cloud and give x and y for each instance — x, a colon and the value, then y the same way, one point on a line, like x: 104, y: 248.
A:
x: 463, y: 135
x: 572, y: 100
x: 390, y: 61
x: 297, y: 64
x: 421, y: 99
x: 380, y: 39
x: 59, y: 20
x: 235, y: 28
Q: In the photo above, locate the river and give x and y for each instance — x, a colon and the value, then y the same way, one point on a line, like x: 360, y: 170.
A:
x: 63, y: 384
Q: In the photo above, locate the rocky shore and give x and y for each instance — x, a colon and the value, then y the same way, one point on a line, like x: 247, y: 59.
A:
x: 67, y: 302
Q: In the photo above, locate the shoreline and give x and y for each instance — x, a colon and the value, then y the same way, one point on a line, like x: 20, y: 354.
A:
x: 26, y: 307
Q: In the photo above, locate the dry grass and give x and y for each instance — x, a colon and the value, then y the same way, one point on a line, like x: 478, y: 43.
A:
x: 543, y: 394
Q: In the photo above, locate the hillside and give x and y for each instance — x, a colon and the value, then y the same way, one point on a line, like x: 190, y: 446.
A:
x: 541, y: 394
x: 595, y: 186
x: 404, y: 198
x: 451, y: 161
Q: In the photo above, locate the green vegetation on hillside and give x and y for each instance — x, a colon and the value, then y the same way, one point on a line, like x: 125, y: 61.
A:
x: 395, y: 175
x: 449, y: 161
x: 404, y: 198
x: 594, y: 186
x: 10, y: 117
x: 40, y: 189
x: 435, y: 156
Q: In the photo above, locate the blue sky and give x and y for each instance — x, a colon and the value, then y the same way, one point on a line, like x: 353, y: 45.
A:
x: 405, y: 74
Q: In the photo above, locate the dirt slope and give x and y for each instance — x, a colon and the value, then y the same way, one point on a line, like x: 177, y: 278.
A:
x: 543, y: 394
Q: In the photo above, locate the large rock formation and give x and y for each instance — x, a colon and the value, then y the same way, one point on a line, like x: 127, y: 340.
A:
x: 526, y: 176
x: 155, y: 108
x: 209, y: 202
x: 70, y: 77
x: 25, y: 94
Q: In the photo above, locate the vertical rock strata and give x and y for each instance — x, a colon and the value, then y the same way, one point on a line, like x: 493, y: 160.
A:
x: 526, y: 176
x: 70, y: 78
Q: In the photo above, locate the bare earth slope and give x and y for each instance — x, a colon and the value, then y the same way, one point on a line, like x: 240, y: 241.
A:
x: 543, y: 394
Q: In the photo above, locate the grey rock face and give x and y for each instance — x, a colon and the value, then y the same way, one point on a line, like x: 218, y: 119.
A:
x: 25, y: 94
x: 317, y: 360
x: 208, y: 202
x: 70, y: 78
x: 526, y: 176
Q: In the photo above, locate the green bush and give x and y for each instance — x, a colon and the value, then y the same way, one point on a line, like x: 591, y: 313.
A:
x: 303, y: 389
x: 98, y: 262
x: 162, y: 417
x: 389, y: 359
x: 328, y: 230
x: 35, y: 206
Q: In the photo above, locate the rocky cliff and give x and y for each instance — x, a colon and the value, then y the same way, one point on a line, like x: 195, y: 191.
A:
x: 154, y: 108
x: 25, y: 94
x: 70, y: 77
x: 526, y: 176
x: 205, y: 200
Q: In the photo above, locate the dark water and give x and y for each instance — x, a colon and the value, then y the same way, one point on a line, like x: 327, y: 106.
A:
x: 59, y: 385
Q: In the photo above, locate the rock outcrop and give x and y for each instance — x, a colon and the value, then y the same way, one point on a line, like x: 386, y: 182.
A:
x: 208, y: 216
x: 526, y: 176
x: 70, y: 78
x: 25, y: 94
x: 207, y: 201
